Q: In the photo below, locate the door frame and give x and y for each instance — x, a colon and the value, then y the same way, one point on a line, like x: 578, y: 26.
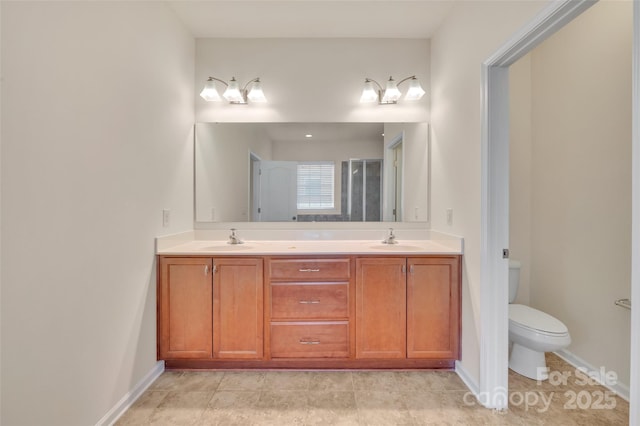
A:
x: 493, y: 384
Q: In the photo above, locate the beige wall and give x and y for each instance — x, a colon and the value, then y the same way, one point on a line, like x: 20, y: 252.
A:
x: 470, y: 34
x: 307, y: 80
x: 97, y: 115
x: 415, y: 149
x: 222, y: 155
x: 520, y: 158
x: 580, y: 181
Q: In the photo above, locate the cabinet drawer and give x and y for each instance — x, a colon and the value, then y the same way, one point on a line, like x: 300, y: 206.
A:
x: 309, y: 300
x: 327, y: 339
x: 309, y: 269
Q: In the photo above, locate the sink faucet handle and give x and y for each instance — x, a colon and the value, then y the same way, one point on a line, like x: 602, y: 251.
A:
x: 233, y: 238
x: 391, y: 238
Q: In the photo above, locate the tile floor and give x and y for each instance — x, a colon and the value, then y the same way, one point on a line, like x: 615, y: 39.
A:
x: 368, y: 398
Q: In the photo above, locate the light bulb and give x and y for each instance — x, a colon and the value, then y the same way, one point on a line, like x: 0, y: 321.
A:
x: 209, y: 93
x: 391, y: 93
x: 232, y: 94
x: 369, y: 93
x: 256, y: 94
x: 415, y: 91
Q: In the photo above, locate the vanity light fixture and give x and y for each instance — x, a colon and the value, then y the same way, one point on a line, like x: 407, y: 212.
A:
x: 391, y: 94
x: 233, y: 93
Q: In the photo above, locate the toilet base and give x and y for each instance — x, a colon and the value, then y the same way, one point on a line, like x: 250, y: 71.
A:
x: 527, y: 362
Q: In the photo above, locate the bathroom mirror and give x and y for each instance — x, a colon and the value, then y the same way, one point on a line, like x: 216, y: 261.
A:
x: 311, y: 172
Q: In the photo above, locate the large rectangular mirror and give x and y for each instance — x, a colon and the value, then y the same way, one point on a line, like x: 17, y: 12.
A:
x: 311, y: 172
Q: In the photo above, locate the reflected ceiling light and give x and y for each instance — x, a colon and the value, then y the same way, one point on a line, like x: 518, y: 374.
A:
x: 233, y: 93
x: 391, y: 94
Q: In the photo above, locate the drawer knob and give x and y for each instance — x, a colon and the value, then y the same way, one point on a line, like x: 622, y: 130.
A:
x: 309, y: 342
x: 308, y: 270
x: 309, y: 302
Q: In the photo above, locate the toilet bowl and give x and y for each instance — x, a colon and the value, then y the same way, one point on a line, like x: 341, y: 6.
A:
x: 531, y: 333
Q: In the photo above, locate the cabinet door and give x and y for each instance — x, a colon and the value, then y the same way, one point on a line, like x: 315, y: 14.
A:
x: 433, y: 306
x: 381, y: 308
x: 185, y: 329
x: 238, y: 310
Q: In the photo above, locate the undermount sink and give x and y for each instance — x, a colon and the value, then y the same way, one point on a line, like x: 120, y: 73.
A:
x: 395, y: 247
x: 227, y: 247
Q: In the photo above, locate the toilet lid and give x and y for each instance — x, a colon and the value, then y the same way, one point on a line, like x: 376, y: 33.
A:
x: 529, y: 317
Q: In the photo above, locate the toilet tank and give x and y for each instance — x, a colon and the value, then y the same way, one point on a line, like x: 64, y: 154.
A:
x: 514, y: 279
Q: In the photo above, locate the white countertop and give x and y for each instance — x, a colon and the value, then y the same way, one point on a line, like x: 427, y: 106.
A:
x: 311, y: 247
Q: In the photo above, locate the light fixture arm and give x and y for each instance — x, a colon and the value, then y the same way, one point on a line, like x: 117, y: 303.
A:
x: 256, y: 80
x: 217, y: 79
x: 405, y: 79
x: 367, y: 80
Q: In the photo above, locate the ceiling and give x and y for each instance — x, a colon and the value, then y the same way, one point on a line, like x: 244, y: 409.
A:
x: 338, y: 132
x: 312, y: 18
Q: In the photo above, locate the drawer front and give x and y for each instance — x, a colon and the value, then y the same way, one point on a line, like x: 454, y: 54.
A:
x: 310, y: 269
x: 327, y: 339
x: 309, y: 301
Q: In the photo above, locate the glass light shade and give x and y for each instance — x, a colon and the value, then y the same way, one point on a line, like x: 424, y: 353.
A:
x: 415, y: 91
x: 232, y: 94
x: 369, y: 93
x: 256, y: 94
x: 391, y: 93
x: 209, y: 93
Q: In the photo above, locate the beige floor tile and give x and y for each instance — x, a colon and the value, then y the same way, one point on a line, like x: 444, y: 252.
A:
x: 446, y: 380
x: 330, y: 381
x: 282, y: 408
x: 380, y: 407
x: 167, y: 381
x: 249, y: 380
x: 140, y: 412
x: 410, y: 381
x: 365, y: 398
x: 198, y: 381
x: 230, y: 408
x: 374, y: 380
x: 287, y: 380
x: 332, y: 408
x: 180, y: 408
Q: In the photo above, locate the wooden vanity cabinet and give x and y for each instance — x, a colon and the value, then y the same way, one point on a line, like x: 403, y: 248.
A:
x: 381, y: 321
x: 364, y: 311
x: 310, y: 309
x: 408, y: 307
x: 210, y: 308
x: 185, y: 308
x: 238, y: 308
x: 433, y: 307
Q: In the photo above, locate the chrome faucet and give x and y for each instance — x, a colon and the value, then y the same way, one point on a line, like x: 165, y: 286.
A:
x: 233, y: 238
x: 391, y: 238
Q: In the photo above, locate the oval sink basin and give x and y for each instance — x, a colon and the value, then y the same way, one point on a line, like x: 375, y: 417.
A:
x: 396, y: 247
x: 227, y: 247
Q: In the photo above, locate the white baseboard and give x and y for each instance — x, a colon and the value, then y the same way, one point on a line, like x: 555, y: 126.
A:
x: 467, y: 379
x: 621, y: 389
x: 130, y: 397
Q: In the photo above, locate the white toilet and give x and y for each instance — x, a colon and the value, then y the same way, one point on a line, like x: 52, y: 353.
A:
x: 531, y: 333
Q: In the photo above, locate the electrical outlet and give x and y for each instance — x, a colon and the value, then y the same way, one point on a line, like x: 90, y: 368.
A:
x: 166, y: 218
x: 449, y: 217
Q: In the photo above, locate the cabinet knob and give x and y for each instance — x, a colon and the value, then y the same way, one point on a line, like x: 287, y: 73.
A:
x: 309, y: 342
x: 308, y: 270
x: 309, y: 302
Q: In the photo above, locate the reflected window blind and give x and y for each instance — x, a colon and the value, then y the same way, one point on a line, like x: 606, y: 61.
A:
x: 315, y: 185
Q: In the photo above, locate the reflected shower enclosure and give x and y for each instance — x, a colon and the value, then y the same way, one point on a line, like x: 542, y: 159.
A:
x: 365, y: 190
